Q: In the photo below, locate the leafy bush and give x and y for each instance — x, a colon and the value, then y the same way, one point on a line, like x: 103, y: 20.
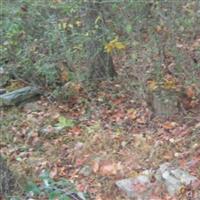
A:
x: 33, y: 45
x: 61, y: 189
x: 43, y: 39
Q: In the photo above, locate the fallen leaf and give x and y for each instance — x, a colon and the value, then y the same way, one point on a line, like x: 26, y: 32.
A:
x: 152, y: 85
x: 98, y: 197
x: 75, y: 130
x: 169, y: 125
x: 158, y: 29
x: 56, y: 116
x: 132, y: 113
x: 95, y: 166
x: 190, y: 92
x: 80, y: 161
x: 109, y: 168
x: 81, y: 187
x: 142, y: 120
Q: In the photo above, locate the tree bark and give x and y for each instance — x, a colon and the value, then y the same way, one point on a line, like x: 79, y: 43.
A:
x: 100, y: 63
x: 7, y: 179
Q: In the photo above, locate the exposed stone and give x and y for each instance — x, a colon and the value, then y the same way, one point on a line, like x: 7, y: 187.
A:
x: 50, y: 131
x: 130, y: 186
x: 173, y: 177
x: 167, y: 178
x: 78, y: 146
x: 85, y: 171
x: 18, y: 96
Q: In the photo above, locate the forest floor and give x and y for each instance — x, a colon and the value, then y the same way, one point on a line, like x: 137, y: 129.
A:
x: 96, y: 139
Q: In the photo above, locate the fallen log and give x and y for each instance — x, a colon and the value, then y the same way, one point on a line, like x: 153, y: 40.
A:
x: 18, y: 96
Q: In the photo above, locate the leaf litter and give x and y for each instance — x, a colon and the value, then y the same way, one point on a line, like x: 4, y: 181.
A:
x: 109, y: 139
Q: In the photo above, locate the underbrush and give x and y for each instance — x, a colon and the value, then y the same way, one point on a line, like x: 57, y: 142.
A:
x: 122, y: 126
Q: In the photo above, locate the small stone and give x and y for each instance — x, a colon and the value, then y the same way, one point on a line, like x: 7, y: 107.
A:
x: 86, y: 171
x: 173, y: 177
x: 195, y: 146
x: 172, y: 140
x: 176, y: 154
x: 124, y: 143
x: 78, y: 146
x: 50, y: 131
x: 169, y: 177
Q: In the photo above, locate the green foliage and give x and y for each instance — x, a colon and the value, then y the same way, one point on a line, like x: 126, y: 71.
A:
x: 65, y: 123
x: 60, y: 189
x: 36, y: 36
x: 32, y: 43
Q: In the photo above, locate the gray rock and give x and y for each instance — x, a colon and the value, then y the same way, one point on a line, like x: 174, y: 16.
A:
x: 173, y: 177
x: 78, y: 146
x: 50, y: 131
x: 18, y: 96
x: 129, y: 187
x: 184, y: 176
x: 85, y: 171
x: 167, y: 178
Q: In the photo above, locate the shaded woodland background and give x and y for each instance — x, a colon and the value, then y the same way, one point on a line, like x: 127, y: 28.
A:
x: 107, y: 71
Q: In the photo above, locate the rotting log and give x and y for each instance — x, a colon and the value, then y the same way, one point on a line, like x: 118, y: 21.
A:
x: 18, y: 96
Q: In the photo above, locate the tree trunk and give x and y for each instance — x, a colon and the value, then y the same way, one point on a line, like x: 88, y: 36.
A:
x: 7, y: 180
x: 100, y: 63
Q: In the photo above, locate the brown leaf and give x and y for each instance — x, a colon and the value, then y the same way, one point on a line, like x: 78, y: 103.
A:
x: 190, y: 92
x: 132, y: 113
x: 75, y: 130
x: 109, y: 168
x: 152, y: 85
x: 96, y: 166
x: 169, y: 125
x: 81, y: 161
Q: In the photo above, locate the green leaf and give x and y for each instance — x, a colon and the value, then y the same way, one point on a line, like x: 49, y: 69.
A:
x: 65, y: 123
x: 54, y: 195
x: 32, y: 187
x: 64, y: 198
x: 129, y: 28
